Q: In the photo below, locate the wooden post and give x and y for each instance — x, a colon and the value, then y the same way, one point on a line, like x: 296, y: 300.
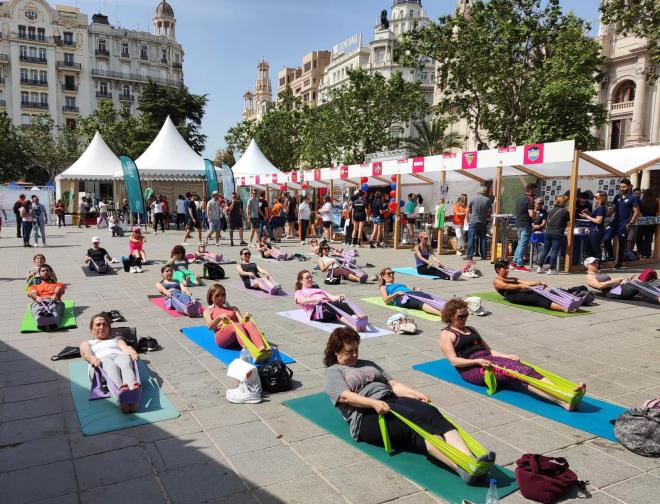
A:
x: 568, y: 260
x: 397, y: 223
x: 441, y: 230
x: 498, y: 198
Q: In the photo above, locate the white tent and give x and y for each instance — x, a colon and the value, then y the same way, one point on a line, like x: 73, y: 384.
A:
x: 255, y: 168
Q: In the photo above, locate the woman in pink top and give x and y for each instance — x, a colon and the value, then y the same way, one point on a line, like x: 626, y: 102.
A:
x: 310, y: 297
x: 135, y: 242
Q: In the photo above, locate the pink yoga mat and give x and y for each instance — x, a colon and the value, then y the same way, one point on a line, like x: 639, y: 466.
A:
x: 159, y: 301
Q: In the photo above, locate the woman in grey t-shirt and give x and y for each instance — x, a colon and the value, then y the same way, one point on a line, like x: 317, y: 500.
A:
x: 362, y: 390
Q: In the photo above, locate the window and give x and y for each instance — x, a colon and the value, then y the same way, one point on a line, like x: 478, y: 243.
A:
x: 70, y: 102
x: 102, y: 45
x: 42, y: 54
x: 67, y: 38
x: 380, y: 55
x: 308, y: 66
x: 31, y: 15
x: 69, y: 82
x: 25, y: 97
x: 144, y: 52
x: 43, y: 98
x: 163, y: 55
x: 103, y: 88
x: 306, y: 83
x: 23, y: 51
x: 412, y: 13
x: 22, y: 33
x: 25, y: 120
x: 24, y: 74
x: 423, y: 76
x: 43, y: 76
x: 32, y: 33
x: 41, y: 34
x: 126, y: 90
x: 68, y: 59
x: 282, y: 81
x: 33, y: 52
x: 306, y: 97
x: 33, y: 75
x: 625, y: 92
x: 619, y: 133
x: 124, y: 49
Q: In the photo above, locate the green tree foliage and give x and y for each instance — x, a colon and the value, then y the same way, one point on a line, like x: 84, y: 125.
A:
x: 535, y: 82
x: 224, y: 156
x: 119, y: 129
x: 14, y: 155
x: 639, y: 17
x: 185, y: 109
x: 238, y: 137
x: 51, y: 148
x: 431, y: 138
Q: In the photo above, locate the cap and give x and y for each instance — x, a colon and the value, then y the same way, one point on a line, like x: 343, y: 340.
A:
x: 96, y: 239
x: 590, y: 260
x: 483, y: 190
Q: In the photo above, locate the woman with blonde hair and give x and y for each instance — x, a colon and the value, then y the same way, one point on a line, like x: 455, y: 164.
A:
x: 597, y: 225
x: 427, y: 263
x: 558, y: 219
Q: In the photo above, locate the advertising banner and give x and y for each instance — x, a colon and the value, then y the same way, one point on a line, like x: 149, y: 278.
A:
x: 133, y: 186
x: 211, y: 178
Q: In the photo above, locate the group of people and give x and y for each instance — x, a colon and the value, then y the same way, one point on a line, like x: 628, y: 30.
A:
x: 31, y: 220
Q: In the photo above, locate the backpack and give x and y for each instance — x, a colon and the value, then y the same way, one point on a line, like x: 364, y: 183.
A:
x: 545, y: 479
x: 639, y: 431
x: 647, y: 275
x: 128, y: 334
x: 332, y: 280
x: 275, y: 376
x: 213, y: 271
x: 582, y: 292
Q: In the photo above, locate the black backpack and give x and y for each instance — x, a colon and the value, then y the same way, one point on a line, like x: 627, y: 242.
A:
x: 213, y: 271
x: 275, y: 376
x: 128, y: 334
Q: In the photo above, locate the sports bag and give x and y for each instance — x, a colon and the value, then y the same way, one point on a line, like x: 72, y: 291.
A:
x: 647, y: 275
x: 582, y: 292
x: 402, y: 324
x: 128, y: 334
x: 68, y: 352
x: 544, y: 479
x: 213, y: 271
x: 639, y: 431
x: 275, y: 376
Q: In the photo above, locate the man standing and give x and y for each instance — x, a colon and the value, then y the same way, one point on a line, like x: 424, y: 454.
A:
x: 213, y: 211
x: 524, y: 216
x: 625, y: 209
x: 17, y: 212
x: 264, y: 216
x: 193, y: 221
x: 84, y: 208
x: 253, y: 214
x: 235, y: 210
x: 478, y: 214
x: 40, y: 221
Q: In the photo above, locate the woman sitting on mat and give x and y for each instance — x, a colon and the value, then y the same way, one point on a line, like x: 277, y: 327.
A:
x: 470, y: 355
x: 253, y: 276
x: 179, y: 263
x: 425, y: 260
x: 113, y: 354
x: 219, y: 317
x: 336, y: 270
x: 33, y: 273
x: 394, y: 293
x: 169, y: 287
x: 362, y: 391
x: 268, y: 251
x: 135, y: 244
x: 616, y: 288
x: 518, y: 291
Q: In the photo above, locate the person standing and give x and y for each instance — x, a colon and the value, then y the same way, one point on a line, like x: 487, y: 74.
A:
x: 277, y: 219
x: 558, y: 219
x: 304, y: 215
x: 39, y: 221
x: 327, y: 217
x: 264, y: 216
x: 20, y: 202
x: 235, y: 210
x: 359, y: 217
x: 166, y: 212
x: 409, y: 211
x: 213, y: 211
x: 159, y: 213
x: 648, y: 207
x: 458, y: 221
x: 524, y: 216
x: 625, y: 210
x: 180, y: 212
x: 597, y: 225
x: 103, y: 213
x: 291, y: 216
x: 478, y: 214
x: 27, y: 217
x: 59, y: 211
x: 84, y: 208
x: 253, y: 215
x: 193, y: 222
x: 378, y: 234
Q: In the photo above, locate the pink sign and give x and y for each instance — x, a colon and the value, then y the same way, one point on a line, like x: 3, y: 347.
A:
x: 418, y: 165
x: 376, y: 169
x: 274, y: 178
x: 343, y: 172
x: 317, y: 174
x: 294, y: 176
x: 469, y: 160
x: 533, y: 154
x: 256, y: 179
x: 449, y: 155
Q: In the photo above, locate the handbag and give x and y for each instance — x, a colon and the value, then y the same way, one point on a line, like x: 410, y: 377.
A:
x: 402, y: 324
x: 68, y: 352
x: 545, y: 479
x: 275, y: 376
x: 128, y: 334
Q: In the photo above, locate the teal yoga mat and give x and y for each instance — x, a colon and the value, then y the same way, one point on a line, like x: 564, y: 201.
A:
x: 413, y: 272
x: 593, y: 416
x: 435, y: 477
x: 103, y: 415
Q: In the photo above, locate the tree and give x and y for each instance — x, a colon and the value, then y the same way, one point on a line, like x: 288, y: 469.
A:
x: 320, y: 136
x: 14, y: 156
x: 238, y: 137
x: 51, y: 148
x: 431, y: 138
x: 534, y: 83
x: 119, y: 129
x: 639, y: 17
x: 224, y: 156
x: 185, y: 109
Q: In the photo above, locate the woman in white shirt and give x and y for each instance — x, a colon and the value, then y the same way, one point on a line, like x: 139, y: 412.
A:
x: 327, y: 217
x: 158, y: 207
x: 304, y: 216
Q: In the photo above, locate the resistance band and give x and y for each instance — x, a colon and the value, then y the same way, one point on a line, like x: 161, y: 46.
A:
x: 255, y: 352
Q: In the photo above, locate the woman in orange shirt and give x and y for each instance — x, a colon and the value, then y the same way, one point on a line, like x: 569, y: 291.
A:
x: 277, y: 220
x: 460, y: 210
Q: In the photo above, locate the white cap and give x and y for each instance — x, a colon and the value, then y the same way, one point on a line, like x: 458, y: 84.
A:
x: 96, y: 239
x: 590, y: 260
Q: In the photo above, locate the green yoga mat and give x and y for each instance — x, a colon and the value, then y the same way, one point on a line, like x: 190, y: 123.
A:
x: 496, y: 297
x: 68, y: 318
x: 103, y: 415
x: 435, y: 477
x: 378, y: 301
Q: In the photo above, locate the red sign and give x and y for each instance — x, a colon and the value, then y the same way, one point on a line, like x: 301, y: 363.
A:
x: 418, y: 165
x: 376, y: 169
x: 274, y: 178
x: 343, y: 172
x: 317, y: 174
x: 533, y: 154
x: 469, y: 160
x: 507, y: 149
x: 256, y: 179
x: 448, y: 155
x: 294, y: 176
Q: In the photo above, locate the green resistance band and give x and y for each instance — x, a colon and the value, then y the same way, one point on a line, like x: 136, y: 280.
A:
x: 256, y: 354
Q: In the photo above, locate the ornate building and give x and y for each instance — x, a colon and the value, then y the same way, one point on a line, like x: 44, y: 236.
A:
x: 255, y: 103
x: 52, y: 61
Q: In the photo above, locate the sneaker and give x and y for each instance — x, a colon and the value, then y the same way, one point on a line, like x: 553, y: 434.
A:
x: 244, y: 394
x: 551, y: 272
x: 458, y: 252
x: 303, y: 242
x: 243, y: 244
x: 184, y: 244
x: 133, y: 269
x: 152, y: 344
x: 539, y: 269
x: 138, y: 269
x: 521, y: 268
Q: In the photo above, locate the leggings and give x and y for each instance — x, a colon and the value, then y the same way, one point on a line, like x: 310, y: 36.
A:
x: 60, y: 220
x: 134, y: 261
x: 330, y: 315
x: 227, y: 338
x: 528, y: 298
x: 402, y: 436
x: 594, y: 243
x: 55, y: 307
x: 425, y: 269
x: 159, y: 219
x: 119, y: 368
x: 475, y: 374
x: 629, y: 291
x: 413, y: 304
x: 304, y: 224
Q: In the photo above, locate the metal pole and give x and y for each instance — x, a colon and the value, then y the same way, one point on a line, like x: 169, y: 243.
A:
x: 441, y: 230
x: 568, y: 260
x: 397, y: 223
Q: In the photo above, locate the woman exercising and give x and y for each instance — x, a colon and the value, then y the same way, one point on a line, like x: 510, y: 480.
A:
x: 333, y: 268
x: 615, y: 288
x: 250, y: 272
x: 396, y: 294
x: 425, y: 260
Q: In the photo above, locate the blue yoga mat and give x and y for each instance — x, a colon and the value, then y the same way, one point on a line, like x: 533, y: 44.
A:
x: 592, y: 416
x: 103, y: 415
x: 413, y: 272
x: 204, y: 337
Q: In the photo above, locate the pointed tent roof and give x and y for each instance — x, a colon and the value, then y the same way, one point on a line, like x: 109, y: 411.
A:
x: 98, y: 162
x: 169, y: 157
x: 253, y: 162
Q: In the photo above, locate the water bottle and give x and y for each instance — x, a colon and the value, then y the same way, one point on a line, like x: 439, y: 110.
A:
x: 245, y: 354
x: 492, y: 497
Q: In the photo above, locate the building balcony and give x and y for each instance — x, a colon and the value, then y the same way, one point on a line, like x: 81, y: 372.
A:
x: 4, y: 58
x: 104, y: 94
x: 71, y: 108
x: 33, y: 59
x: 134, y: 77
x: 144, y: 57
x: 3, y: 103
x: 34, y: 82
x: 177, y: 64
x: 163, y: 61
x: 73, y: 88
x: 622, y: 107
x: 34, y: 105
x: 125, y: 55
x: 68, y: 43
x: 34, y: 37
x: 69, y: 65
x: 102, y: 53
x: 126, y: 97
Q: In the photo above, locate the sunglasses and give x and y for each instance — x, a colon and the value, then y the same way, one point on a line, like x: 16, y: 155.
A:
x: 462, y: 316
x: 389, y: 273
x: 247, y: 254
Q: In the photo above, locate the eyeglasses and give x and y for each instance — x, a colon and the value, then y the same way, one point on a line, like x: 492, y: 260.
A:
x: 247, y: 254
x: 462, y: 316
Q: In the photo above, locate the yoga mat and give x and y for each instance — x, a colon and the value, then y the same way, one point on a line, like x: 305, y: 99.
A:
x: 301, y: 316
x: 256, y: 293
x: 592, y: 416
x: 88, y: 273
x: 159, y: 301
x: 413, y: 272
x: 103, y: 415
x: 430, y: 475
x: 203, y: 337
x: 496, y: 297
x: 67, y: 320
x: 378, y: 301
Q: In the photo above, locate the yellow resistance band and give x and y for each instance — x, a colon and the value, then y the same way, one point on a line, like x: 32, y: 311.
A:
x: 256, y: 354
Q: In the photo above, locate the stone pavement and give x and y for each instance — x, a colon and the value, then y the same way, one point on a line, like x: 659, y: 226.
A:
x: 223, y: 453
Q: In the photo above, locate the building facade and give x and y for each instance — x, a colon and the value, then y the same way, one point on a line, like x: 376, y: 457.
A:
x: 53, y: 61
x: 255, y: 102
x: 305, y: 81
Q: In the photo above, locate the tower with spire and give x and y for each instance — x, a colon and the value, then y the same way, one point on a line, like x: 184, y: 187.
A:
x: 255, y: 103
x: 164, y: 20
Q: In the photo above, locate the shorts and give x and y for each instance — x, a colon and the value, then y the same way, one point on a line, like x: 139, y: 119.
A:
x: 410, y: 219
x: 327, y: 224
x: 193, y: 225
x: 378, y: 220
x: 255, y: 222
x: 235, y: 223
x: 215, y: 225
x: 360, y: 218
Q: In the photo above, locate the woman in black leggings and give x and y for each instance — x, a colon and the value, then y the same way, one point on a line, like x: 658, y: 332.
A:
x: 362, y: 391
x: 425, y: 260
x: 517, y: 291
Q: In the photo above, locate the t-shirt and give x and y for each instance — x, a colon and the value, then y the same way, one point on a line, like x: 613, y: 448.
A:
x: 158, y: 207
x: 558, y: 218
x: 306, y: 293
x: 480, y: 207
x: 192, y: 209
x: 599, y: 211
x: 263, y: 209
x: 376, y: 208
x: 277, y: 209
x: 459, y: 214
x: 236, y: 209
x: 103, y: 348
x: 365, y: 378
x: 213, y: 209
x: 411, y: 204
x: 523, y: 205
x: 253, y: 208
x: 45, y: 289
x: 180, y: 206
x: 305, y: 211
x: 97, y: 255
x: 579, y: 208
x: 623, y: 206
x: 541, y: 215
x: 103, y: 208
x: 360, y: 208
x: 326, y: 212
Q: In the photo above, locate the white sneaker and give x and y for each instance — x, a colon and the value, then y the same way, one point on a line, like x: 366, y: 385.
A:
x: 551, y: 272
x: 133, y: 269
x: 138, y: 269
x: 458, y: 252
x: 539, y: 269
x: 244, y: 394
x: 303, y: 242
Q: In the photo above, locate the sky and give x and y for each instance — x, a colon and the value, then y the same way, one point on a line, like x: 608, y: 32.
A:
x: 223, y: 40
